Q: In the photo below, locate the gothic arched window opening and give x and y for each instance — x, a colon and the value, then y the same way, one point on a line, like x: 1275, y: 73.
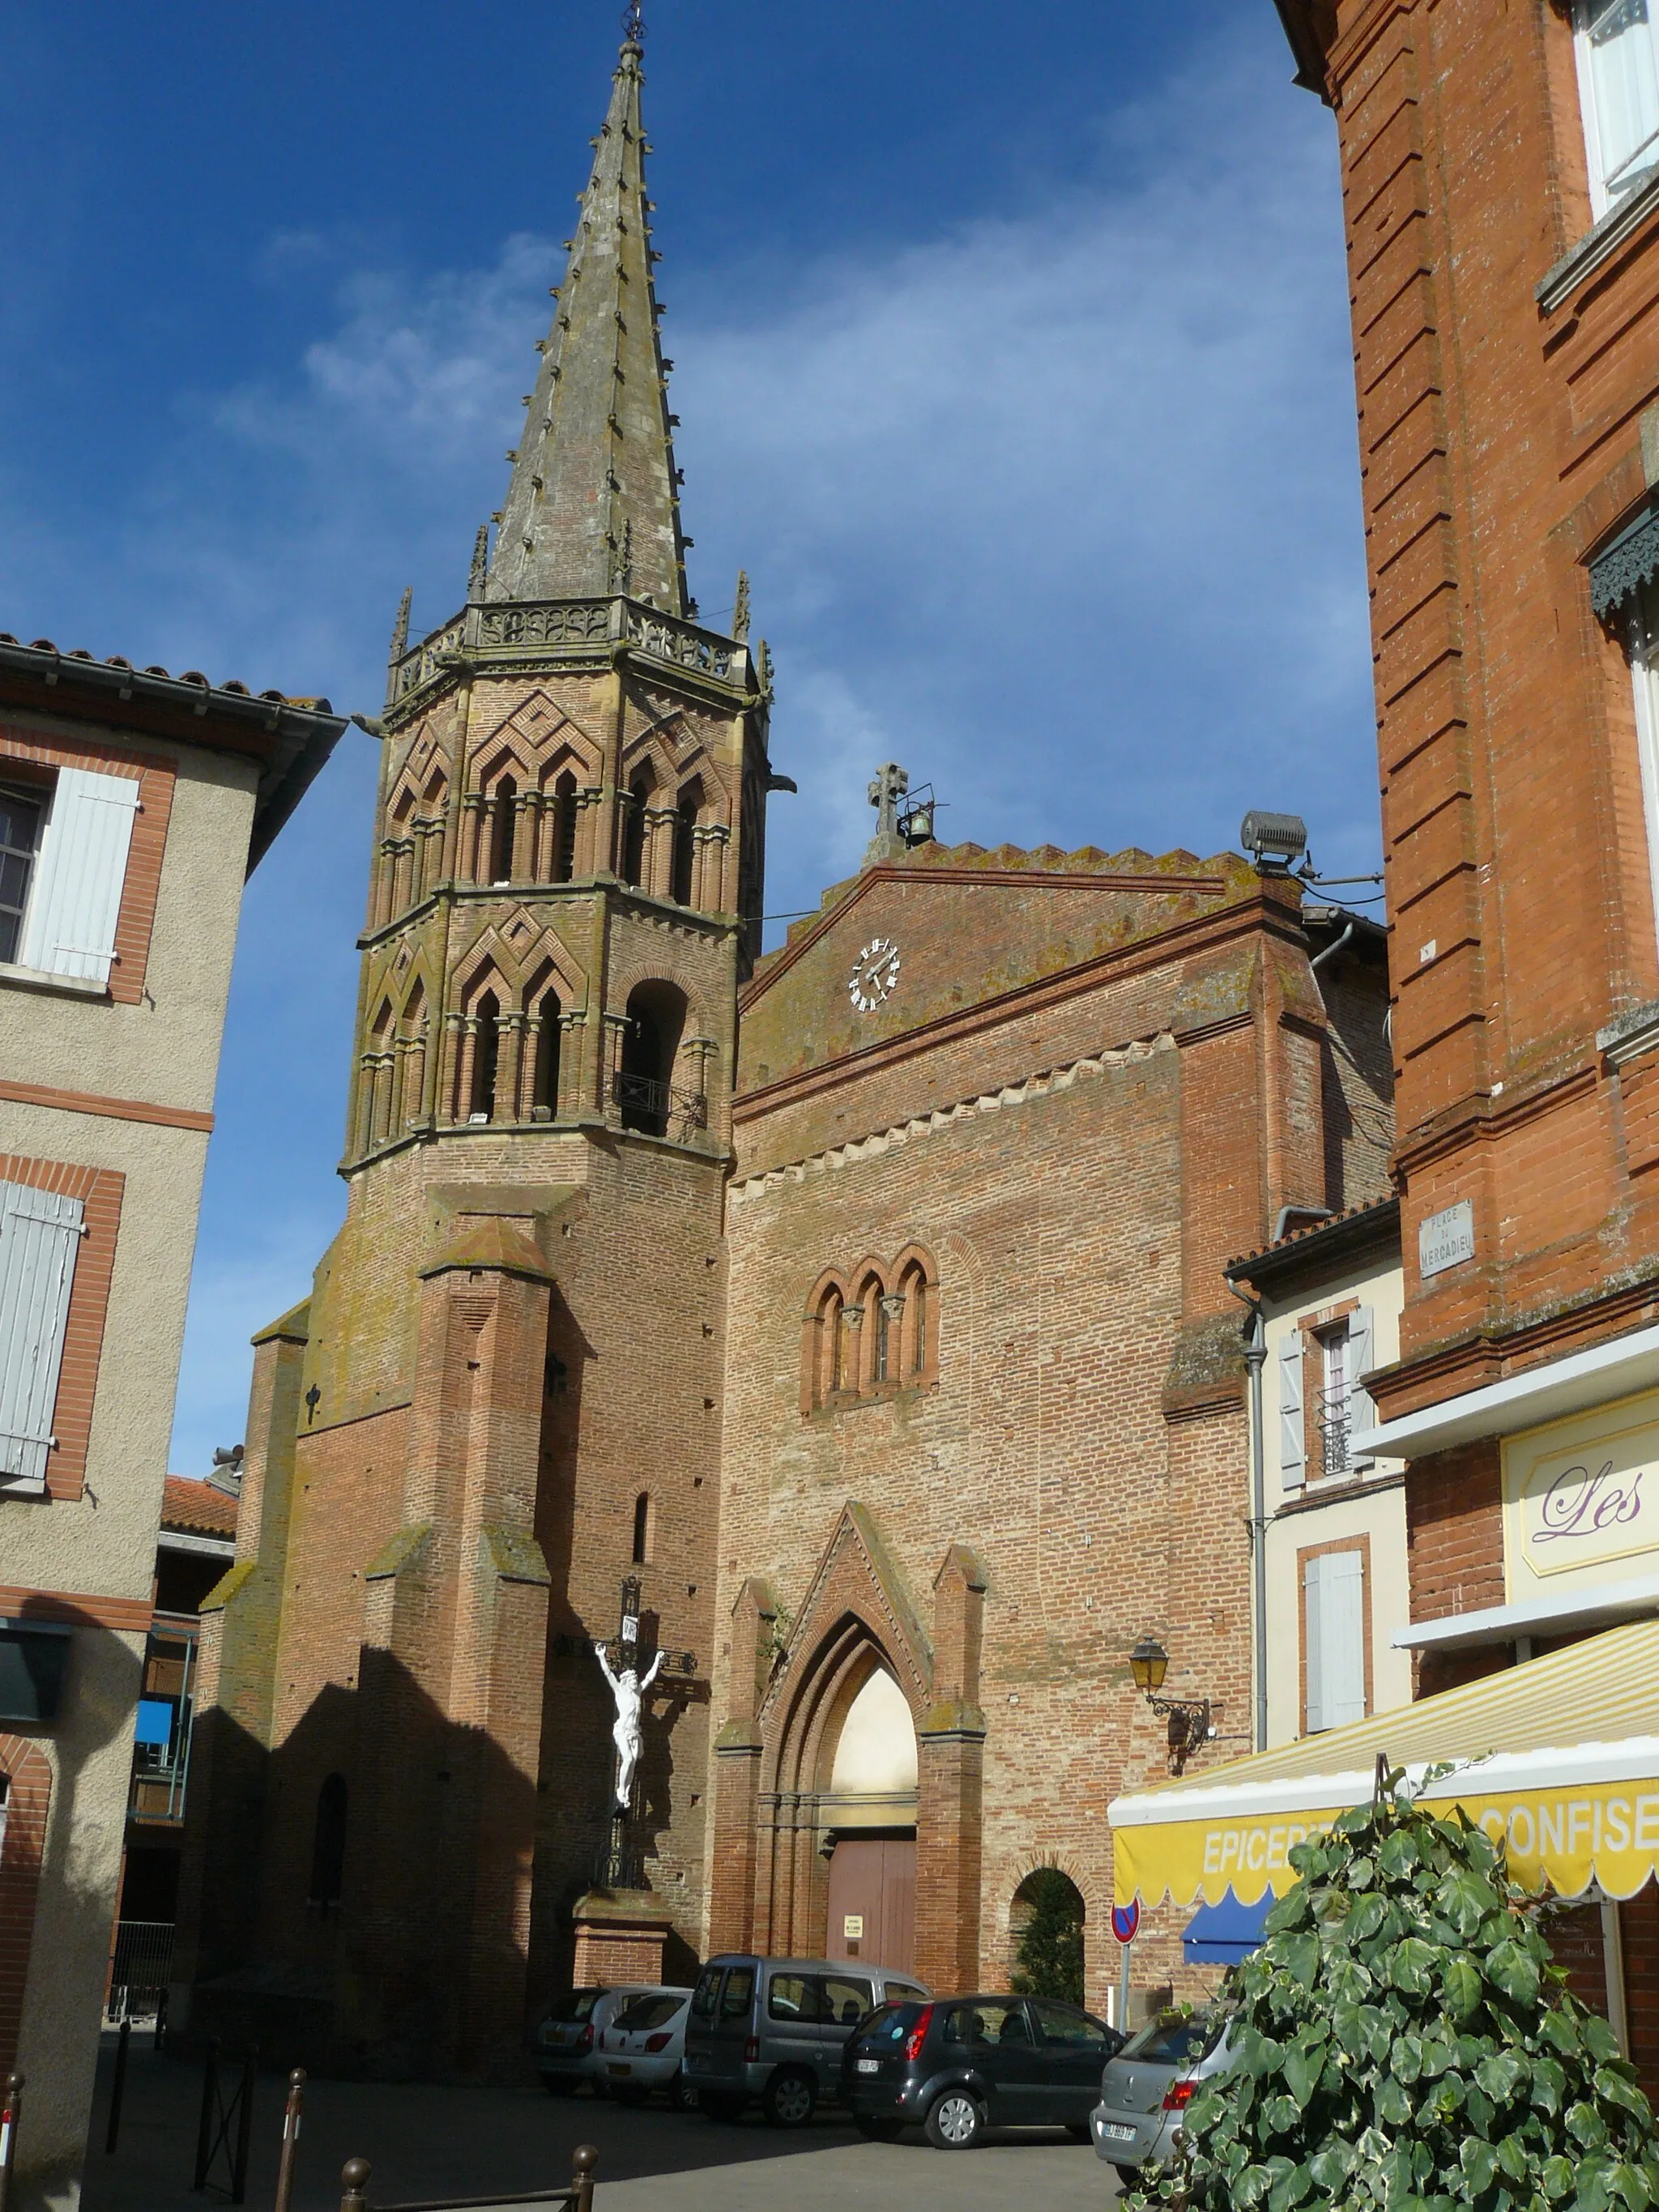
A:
x: 504, y: 815
x: 685, y: 843
x: 651, y: 1042
x: 639, y: 799
x: 544, y: 1083
x: 564, y: 828
x: 328, y: 1843
x: 486, y: 1058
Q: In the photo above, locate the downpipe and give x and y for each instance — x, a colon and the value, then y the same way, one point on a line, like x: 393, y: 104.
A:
x: 1255, y: 1357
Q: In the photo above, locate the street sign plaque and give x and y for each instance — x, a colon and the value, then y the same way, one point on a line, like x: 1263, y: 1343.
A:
x: 1126, y: 1918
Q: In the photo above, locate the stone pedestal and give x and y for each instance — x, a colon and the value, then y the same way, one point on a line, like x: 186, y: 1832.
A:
x: 620, y: 1934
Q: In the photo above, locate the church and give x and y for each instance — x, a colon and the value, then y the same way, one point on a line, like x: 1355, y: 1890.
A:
x: 841, y: 1329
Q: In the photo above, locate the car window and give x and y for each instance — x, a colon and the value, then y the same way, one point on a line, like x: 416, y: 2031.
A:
x: 796, y: 1997
x: 1060, y: 2024
x: 579, y: 2005
x: 901, y: 1990
x: 1175, y: 2041
x: 739, y: 1989
x: 703, y: 1998
x: 992, y: 2022
x: 845, y: 2000
x: 647, y: 2012
x: 891, y: 2024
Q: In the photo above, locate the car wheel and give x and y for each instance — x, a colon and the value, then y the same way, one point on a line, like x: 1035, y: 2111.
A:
x: 789, y: 2100
x: 720, y: 2104
x: 876, y: 2129
x: 683, y: 2094
x: 954, y: 2121
x: 558, y: 2085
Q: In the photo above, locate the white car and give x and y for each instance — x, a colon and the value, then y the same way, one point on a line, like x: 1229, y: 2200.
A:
x: 567, y: 2042
x: 643, y: 2048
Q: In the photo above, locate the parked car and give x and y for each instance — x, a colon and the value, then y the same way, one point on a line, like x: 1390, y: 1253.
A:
x: 961, y: 2064
x: 1147, y: 2086
x: 773, y: 2028
x: 567, y: 2040
x: 643, y: 2048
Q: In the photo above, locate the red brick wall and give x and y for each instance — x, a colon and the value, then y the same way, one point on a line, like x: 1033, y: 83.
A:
x: 28, y: 1798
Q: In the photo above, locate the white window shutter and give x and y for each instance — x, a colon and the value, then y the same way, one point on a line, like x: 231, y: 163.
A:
x: 1333, y: 1611
x: 1362, y: 1414
x: 40, y: 1238
x: 1293, y: 1444
x: 75, y: 896
x: 1618, y: 89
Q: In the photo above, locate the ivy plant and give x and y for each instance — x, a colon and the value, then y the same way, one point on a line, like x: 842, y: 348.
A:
x: 1403, y: 2040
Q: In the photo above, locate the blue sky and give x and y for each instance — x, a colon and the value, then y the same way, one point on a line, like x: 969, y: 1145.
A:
x: 1012, y: 360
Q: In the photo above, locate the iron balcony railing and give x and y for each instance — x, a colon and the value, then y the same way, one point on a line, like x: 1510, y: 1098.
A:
x: 648, y: 1103
x: 140, y: 1970
x: 1332, y: 1415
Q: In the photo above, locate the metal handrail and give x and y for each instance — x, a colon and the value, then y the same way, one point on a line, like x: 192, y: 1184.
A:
x: 577, y: 2194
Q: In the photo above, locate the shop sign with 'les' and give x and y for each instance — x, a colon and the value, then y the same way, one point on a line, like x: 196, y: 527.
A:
x: 1581, y: 1498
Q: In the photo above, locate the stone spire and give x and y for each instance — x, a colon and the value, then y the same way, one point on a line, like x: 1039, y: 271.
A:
x: 591, y: 508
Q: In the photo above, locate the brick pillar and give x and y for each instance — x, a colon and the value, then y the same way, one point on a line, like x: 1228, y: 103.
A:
x: 737, y: 1773
x: 452, y: 1674
x: 235, y: 1684
x: 950, y: 1758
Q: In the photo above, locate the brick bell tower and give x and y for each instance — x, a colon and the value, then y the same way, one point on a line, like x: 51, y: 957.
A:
x: 502, y: 1395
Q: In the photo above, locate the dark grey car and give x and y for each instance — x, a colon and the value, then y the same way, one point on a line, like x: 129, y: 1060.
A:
x: 773, y: 2029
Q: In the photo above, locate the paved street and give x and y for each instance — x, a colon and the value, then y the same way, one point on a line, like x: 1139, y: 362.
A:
x: 423, y: 2142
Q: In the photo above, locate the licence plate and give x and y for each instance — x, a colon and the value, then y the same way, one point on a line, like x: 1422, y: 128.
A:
x: 1116, y: 2133
x: 868, y: 2065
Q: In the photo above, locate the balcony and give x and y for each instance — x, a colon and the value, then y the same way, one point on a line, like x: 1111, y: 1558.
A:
x: 162, y: 1736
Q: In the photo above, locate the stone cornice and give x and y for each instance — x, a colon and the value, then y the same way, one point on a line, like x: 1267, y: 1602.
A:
x: 850, y: 1150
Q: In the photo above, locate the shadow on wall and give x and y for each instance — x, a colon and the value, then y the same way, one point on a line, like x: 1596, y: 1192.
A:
x: 59, y: 1874
x: 369, y: 1907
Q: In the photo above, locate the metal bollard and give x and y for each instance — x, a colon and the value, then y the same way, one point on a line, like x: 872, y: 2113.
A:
x: 10, y: 2113
x: 583, y: 2160
x: 296, y: 2097
x: 161, y: 2019
x: 354, y: 2186
x: 205, y: 2132
x: 118, y: 2087
x: 244, y: 2130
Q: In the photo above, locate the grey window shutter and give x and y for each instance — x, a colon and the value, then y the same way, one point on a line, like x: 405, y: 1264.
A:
x: 40, y: 1238
x: 1333, y: 1587
x: 75, y: 896
x: 1362, y: 1413
x: 1292, y: 1445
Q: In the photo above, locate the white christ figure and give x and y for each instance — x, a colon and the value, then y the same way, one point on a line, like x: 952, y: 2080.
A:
x: 628, y: 1690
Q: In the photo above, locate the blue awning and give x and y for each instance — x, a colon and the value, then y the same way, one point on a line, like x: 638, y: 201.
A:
x: 1221, y: 1934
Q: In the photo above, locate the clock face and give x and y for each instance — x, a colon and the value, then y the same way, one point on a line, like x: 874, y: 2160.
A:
x: 875, y: 974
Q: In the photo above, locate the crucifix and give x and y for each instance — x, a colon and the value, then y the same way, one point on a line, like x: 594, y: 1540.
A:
x: 628, y: 1689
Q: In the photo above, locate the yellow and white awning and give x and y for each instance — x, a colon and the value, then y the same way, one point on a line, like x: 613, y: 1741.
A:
x: 1563, y: 1766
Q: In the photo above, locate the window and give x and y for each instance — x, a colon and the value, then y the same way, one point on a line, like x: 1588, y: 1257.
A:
x: 564, y: 828
x: 639, y: 794
x: 736, y: 1996
x: 19, y: 835
x: 1074, y: 2031
x: 1333, y: 1639
x: 504, y: 819
x: 60, y: 897
x: 685, y: 845
x: 486, y: 1058
x: 706, y: 1996
x: 1322, y: 1401
x: 1644, y: 640
x: 545, y: 1084
x: 1618, y: 94
x: 644, y: 1519
x: 40, y: 1238
x: 328, y: 1843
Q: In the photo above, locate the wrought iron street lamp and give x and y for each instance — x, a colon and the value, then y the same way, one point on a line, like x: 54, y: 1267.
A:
x: 1190, y: 1720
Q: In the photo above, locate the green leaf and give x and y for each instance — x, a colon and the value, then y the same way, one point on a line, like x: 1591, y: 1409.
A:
x: 1479, y: 2161
x: 1290, y: 2189
x: 1612, y: 2083
x: 1629, y: 2184
x: 1412, y: 1966
x: 1514, y: 1972
x: 1463, y: 1986
x: 1302, y: 2071
x: 1501, y: 2075
x: 1290, y: 1911
x: 1437, y: 2057
x: 1560, y: 2029
x: 1393, y: 2106
x: 1559, y: 2176
x: 1282, y: 2114
x: 1406, y: 2059
x: 1366, y: 1915
x: 1549, y: 2085
x: 1298, y: 1956
x: 1361, y: 1875
x: 1331, y: 2167
x: 1586, y: 2126
x: 1513, y: 2157
x: 1465, y: 1899
x: 1598, y: 2038
x: 1252, y: 2185
x: 1397, y: 1854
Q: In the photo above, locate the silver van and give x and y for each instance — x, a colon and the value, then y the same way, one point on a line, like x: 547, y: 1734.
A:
x: 774, y: 2029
